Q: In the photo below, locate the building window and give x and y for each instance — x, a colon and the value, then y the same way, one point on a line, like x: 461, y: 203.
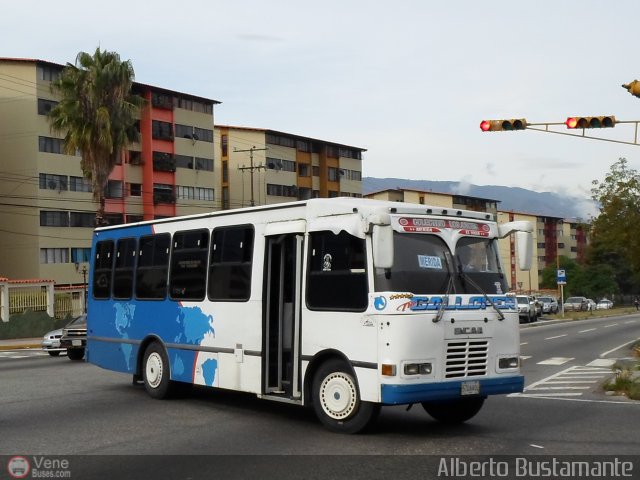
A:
x: 315, y: 171
x: 135, y: 157
x: 204, y: 164
x: 50, y: 145
x: 203, y: 134
x: 225, y: 171
x: 184, y: 161
x: 541, y: 244
x: 188, y: 274
x: 80, y: 184
x: 54, y: 255
x: 113, y: 189
x: 186, y: 193
x: 224, y: 145
x: 52, y: 218
x: 45, y: 106
x: 355, y: 175
x: 50, y: 181
x: 153, y: 262
x: 80, y: 255
x: 204, y: 194
x: 161, y: 130
x: 302, y: 146
x: 163, y: 193
x: 184, y: 131
x: 161, y: 100
x: 134, y: 218
x: 82, y: 219
x: 113, y: 218
x: 334, y: 174
x: 279, y: 164
x: 48, y: 73
x: 304, y: 170
x: 230, y: 265
x: 421, y: 200
x: 333, y: 194
x: 135, y: 190
x: 282, y: 190
x: 225, y: 198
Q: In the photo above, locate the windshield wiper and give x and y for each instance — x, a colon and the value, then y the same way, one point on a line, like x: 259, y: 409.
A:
x: 450, y: 286
x: 466, y: 278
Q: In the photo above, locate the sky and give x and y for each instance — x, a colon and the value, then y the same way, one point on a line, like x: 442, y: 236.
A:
x: 409, y: 81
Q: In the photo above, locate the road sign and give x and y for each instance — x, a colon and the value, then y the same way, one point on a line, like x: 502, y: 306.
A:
x: 561, y: 277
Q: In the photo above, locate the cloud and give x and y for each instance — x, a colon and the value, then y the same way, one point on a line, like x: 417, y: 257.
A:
x: 464, y: 186
x: 253, y: 37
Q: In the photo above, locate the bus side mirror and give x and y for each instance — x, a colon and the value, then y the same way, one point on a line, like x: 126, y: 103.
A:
x: 382, y: 238
x: 524, y: 245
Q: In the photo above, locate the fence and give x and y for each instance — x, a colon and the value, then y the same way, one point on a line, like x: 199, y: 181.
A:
x: 16, y: 296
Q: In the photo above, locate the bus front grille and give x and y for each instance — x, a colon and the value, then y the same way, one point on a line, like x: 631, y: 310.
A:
x: 466, y: 358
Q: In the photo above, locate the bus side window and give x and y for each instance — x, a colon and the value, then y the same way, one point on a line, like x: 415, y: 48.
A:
x: 124, y: 268
x: 102, y: 269
x: 188, y: 275
x: 153, y: 263
x: 230, y: 265
x: 337, y: 275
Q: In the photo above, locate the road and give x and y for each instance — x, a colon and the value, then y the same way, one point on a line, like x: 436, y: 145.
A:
x: 53, y: 406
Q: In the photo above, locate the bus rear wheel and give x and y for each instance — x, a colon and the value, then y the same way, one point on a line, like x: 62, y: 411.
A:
x: 454, y: 411
x: 336, y: 399
x: 155, y: 372
x: 75, y: 354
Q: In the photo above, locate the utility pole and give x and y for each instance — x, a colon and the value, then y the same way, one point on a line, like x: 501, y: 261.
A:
x: 251, y: 167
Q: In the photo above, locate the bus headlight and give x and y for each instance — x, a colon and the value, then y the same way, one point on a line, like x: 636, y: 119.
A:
x: 507, y: 363
x: 417, y: 369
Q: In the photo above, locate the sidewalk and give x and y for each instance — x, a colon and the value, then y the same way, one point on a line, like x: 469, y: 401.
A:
x: 19, y: 343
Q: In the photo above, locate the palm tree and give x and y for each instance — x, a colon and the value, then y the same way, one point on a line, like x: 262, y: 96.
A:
x: 97, y: 114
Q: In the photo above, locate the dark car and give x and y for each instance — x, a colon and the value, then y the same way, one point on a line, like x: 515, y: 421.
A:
x: 74, y: 338
x: 575, y: 304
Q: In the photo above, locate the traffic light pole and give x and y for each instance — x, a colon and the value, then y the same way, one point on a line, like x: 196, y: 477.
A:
x: 532, y: 126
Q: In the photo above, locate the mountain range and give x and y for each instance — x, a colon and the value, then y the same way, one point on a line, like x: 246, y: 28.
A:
x: 511, y: 198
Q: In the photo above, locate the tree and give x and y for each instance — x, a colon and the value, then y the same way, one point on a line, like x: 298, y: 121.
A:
x: 615, y: 233
x: 97, y: 114
x: 591, y: 281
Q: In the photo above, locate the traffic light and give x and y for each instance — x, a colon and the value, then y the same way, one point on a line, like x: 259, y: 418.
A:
x: 604, y: 121
x: 503, y: 125
x: 633, y: 88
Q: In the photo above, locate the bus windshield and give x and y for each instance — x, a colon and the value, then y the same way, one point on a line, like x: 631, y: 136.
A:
x: 423, y: 264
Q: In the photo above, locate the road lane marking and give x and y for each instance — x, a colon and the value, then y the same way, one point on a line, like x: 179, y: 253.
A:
x: 557, y: 336
x: 587, y: 330
x: 612, y: 325
x: 602, y: 355
x: 536, y: 446
x: 555, y: 361
x: 602, y: 362
x: 524, y: 343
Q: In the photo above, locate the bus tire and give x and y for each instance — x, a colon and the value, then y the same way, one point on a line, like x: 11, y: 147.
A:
x: 336, y: 399
x: 156, y: 374
x: 75, y: 354
x: 454, y: 411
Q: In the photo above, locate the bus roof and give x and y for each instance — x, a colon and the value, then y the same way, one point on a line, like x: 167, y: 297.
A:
x: 324, y: 207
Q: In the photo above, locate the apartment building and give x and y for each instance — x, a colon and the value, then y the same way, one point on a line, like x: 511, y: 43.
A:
x: 46, y: 208
x: 260, y: 166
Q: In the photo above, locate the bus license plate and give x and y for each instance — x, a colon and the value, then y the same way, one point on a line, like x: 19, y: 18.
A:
x: 470, y: 388
x: 76, y: 343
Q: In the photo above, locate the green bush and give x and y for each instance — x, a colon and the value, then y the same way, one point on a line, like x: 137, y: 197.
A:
x: 29, y: 325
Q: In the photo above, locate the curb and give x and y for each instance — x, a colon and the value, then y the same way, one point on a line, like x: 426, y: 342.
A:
x: 20, y: 346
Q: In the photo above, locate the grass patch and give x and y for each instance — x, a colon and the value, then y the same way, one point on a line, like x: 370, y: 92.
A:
x: 627, y: 379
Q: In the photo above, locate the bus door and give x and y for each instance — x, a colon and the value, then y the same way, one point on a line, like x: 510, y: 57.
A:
x: 281, y: 308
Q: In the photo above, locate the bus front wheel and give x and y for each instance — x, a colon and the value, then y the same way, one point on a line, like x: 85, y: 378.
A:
x: 454, y: 411
x: 155, y: 372
x: 336, y: 399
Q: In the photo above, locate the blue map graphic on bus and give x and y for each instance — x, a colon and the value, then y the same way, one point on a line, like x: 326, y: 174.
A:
x: 209, y: 371
x: 171, y: 322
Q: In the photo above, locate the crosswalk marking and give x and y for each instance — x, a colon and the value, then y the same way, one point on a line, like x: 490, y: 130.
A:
x: 571, y: 382
x: 602, y: 362
x: 555, y: 361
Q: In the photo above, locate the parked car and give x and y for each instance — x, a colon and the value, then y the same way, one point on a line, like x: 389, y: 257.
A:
x: 591, y: 305
x: 549, y: 304
x: 51, y: 342
x: 604, y: 304
x: 526, y: 308
x: 74, y: 338
x: 537, y: 305
x: 575, y: 304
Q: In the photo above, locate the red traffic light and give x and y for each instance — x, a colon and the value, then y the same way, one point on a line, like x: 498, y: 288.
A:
x: 604, y: 121
x: 503, y: 125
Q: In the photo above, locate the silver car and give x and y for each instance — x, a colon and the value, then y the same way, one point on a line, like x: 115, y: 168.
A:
x: 51, y: 342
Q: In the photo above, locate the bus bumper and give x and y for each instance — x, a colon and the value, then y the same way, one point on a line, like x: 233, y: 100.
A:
x: 451, y: 390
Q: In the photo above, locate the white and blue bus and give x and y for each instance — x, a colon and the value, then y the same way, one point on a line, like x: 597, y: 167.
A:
x: 342, y: 304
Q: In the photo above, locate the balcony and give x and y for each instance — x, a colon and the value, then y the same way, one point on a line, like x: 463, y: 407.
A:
x: 163, y: 196
x: 164, y: 162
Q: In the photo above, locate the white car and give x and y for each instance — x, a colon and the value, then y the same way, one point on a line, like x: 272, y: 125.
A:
x: 526, y: 308
x: 604, y: 304
x: 51, y: 343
